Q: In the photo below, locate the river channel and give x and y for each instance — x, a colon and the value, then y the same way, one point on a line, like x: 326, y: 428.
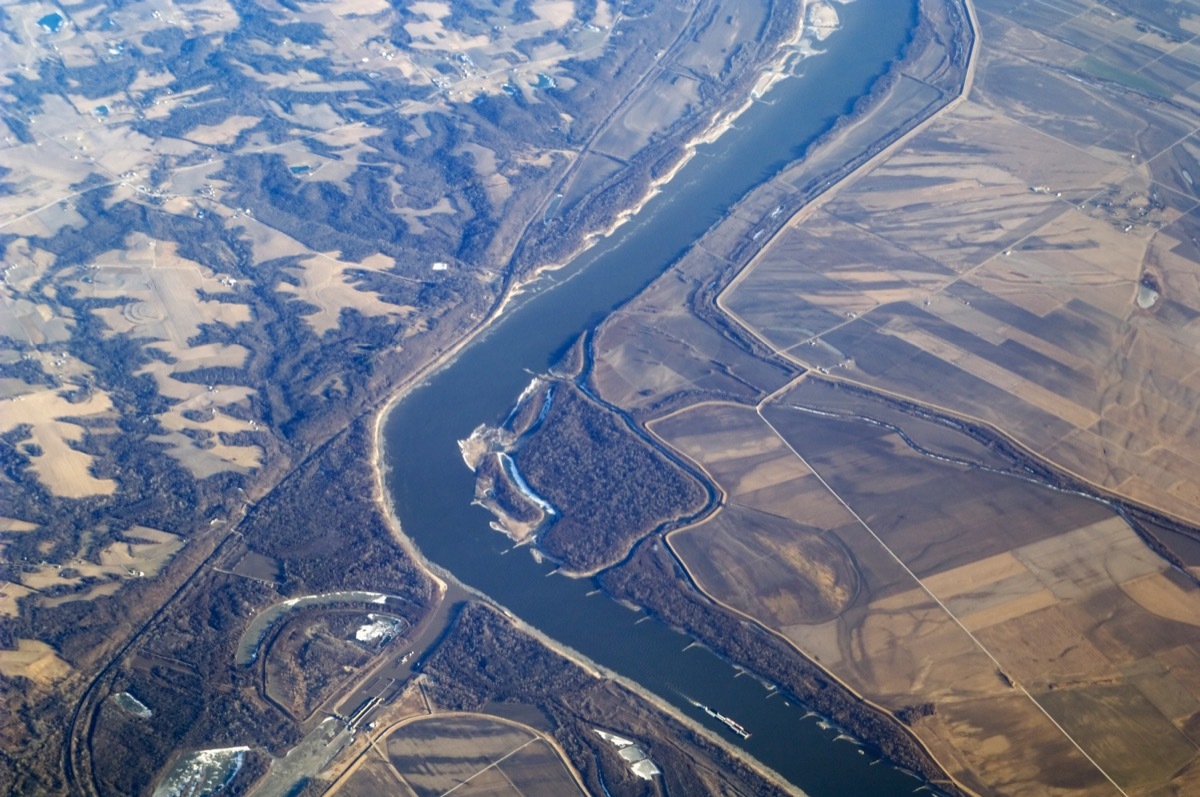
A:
x: 432, y: 489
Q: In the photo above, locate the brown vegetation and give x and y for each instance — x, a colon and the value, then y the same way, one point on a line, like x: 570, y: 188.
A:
x: 608, y: 484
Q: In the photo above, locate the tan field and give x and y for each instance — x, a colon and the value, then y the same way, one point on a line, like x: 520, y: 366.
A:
x: 78, y: 136
x: 10, y: 528
x: 63, y: 469
x: 770, y: 568
x: 10, y: 596
x: 229, y: 231
x: 413, y: 216
x: 141, y: 552
x: 1028, y: 261
x: 667, y: 100
x: 1053, y: 291
x: 958, y: 587
x: 34, y: 660
x: 36, y: 323
x: 227, y: 130
x: 715, y: 40
x: 322, y: 276
x: 145, y: 549
x: 465, y: 753
x: 160, y: 304
x: 655, y: 349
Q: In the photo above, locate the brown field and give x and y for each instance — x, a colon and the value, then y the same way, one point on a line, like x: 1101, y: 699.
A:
x: 752, y: 466
x: 959, y: 574
x: 10, y: 595
x: 655, y: 349
x: 224, y: 229
x: 141, y: 552
x: 1121, y: 721
x: 263, y: 568
x: 977, y: 514
x: 155, y: 293
x: 469, y: 754
x: 373, y: 776
x: 144, y: 549
x: 1041, y: 208
x: 728, y: 24
x: 667, y: 100
x: 930, y: 435
x: 770, y: 567
x: 322, y: 276
x: 1028, y: 260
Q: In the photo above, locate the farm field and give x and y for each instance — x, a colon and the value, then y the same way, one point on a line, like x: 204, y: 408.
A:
x: 920, y: 581
x: 490, y: 756
x: 927, y: 440
x: 1004, y: 297
x: 535, y: 723
x: 468, y: 754
x: 1027, y: 259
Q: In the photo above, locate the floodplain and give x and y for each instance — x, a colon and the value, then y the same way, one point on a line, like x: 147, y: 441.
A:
x: 229, y: 234
x: 974, y: 503
x: 1027, y: 258
x: 949, y: 584
x: 466, y: 754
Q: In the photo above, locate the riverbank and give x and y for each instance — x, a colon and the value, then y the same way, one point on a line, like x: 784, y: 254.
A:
x: 852, y: 146
x: 845, y: 161
x: 720, y: 122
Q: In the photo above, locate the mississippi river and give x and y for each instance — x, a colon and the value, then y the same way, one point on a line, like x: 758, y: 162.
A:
x: 432, y: 490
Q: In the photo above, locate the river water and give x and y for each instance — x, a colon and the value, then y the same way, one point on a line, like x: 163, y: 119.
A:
x: 432, y: 489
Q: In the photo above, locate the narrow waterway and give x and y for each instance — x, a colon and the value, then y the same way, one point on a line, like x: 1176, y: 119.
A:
x: 432, y: 489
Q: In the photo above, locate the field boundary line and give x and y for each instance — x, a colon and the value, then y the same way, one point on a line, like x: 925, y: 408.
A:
x: 695, y: 583
x: 493, y: 764
x: 509, y: 780
x: 939, y: 602
x: 818, y: 202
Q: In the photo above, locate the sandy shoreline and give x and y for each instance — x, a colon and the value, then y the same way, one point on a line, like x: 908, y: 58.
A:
x: 443, y: 578
x: 722, y: 121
